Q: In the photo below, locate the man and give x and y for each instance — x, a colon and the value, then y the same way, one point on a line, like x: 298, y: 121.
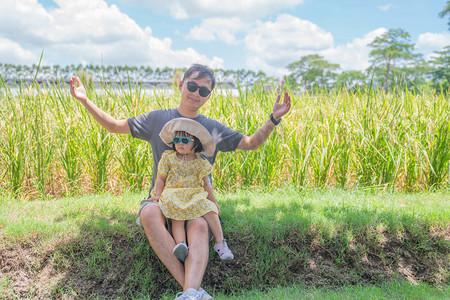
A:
x: 195, y: 87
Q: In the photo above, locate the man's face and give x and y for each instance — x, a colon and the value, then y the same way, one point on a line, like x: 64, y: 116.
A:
x: 193, y: 100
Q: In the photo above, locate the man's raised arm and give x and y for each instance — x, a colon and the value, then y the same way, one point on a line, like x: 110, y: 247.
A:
x: 107, y: 121
x: 261, y: 135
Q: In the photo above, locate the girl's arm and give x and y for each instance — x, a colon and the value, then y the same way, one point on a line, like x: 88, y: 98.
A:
x: 208, y: 188
x: 158, y: 189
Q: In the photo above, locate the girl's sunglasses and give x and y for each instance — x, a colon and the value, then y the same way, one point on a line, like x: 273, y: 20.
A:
x: 192, y: 86
x: 181, y: 139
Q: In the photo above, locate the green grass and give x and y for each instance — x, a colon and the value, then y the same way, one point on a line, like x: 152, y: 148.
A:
x: 298, y: 243
x: 393, y: 290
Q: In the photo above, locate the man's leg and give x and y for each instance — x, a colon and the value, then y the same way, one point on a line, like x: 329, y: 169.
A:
x: 162, y: 243
x: 197, y: 260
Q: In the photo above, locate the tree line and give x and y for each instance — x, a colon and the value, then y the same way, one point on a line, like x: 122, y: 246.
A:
x: 393, y: 65
x: 120, y: 74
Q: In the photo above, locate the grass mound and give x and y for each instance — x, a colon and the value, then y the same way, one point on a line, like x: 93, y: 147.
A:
x: 90, y: 247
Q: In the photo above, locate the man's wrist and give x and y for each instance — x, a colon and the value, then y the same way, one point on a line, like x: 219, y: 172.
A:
x: 275, y: 122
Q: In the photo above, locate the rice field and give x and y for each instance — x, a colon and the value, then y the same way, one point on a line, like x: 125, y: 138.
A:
x: 51, y: 146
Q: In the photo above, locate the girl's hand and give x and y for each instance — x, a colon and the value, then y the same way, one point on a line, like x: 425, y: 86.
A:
x: 154, y: 199
x: 218, y: 208
x: 78, y: 92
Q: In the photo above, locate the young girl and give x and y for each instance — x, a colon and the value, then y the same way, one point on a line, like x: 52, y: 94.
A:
x: 182, y: 186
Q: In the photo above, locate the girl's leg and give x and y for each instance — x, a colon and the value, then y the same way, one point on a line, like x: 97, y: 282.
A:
x: 178, y: 231
x: 179, y: 234
x: 221, y: 246
x: 214, y: 223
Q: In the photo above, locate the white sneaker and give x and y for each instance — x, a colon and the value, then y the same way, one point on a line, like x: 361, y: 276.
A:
x: 223, y: 251
x: 181, y: 251
x: 206, y: 296
x: 189, y: 294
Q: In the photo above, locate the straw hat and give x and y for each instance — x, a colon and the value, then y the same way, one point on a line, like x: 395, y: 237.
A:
x: 193, y: 128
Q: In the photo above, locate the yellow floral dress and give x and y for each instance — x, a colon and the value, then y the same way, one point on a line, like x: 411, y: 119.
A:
x: 184, y: 197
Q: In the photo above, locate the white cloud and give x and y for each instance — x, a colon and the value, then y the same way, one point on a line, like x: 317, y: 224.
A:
x: 91, y: 30
x: 182, y: 9
x: 353, y: 55
x: 88, y: 30
x: 221, y: 29
x: 385, y: 7
x: 429, y: 42
x: 271, y: 46
x: 11, y: 52
x: 19, y: 20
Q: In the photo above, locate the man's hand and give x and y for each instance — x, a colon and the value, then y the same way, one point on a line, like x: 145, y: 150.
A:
x: 78, y: 92
x: 280, y: 109
x: 260, y: 136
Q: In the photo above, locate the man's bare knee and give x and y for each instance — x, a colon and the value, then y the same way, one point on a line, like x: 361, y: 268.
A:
x: 198, y: 232
x: 152, y: 216
x: 199, y: 226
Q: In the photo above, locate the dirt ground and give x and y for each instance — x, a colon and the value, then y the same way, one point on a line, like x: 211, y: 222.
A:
x: 38, y: 271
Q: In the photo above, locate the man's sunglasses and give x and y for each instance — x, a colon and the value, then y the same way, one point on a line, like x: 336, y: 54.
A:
x: 181, y: 139
x: 192, y: 86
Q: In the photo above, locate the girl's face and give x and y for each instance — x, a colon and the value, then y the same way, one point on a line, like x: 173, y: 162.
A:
x: 185, y: 148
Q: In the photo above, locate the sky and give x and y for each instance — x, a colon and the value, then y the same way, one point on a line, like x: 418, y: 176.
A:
x: 260, y: 35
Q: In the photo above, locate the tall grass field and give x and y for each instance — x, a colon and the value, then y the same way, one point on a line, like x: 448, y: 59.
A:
x: 50, y: 145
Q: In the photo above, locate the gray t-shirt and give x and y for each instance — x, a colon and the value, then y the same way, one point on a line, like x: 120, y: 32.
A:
x: 148, y: 126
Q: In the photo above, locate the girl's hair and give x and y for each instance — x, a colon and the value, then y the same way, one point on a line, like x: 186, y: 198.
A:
x: 198, y: 147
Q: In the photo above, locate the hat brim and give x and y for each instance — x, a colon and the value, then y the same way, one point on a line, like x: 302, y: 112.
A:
x: 193, y: 128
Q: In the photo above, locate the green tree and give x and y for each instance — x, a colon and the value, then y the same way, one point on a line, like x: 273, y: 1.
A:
x: 351, y: 79
x: 290, y: 81
x: 313, y: 70
x: 446, y: 12
x: 441, y: 67
x: 390, y: 51
x: 413, y: 75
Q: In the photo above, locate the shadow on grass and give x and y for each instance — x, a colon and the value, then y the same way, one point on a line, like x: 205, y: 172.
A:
x: 283, y: 244
x: 276, y: 245
x: 111, y: 258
